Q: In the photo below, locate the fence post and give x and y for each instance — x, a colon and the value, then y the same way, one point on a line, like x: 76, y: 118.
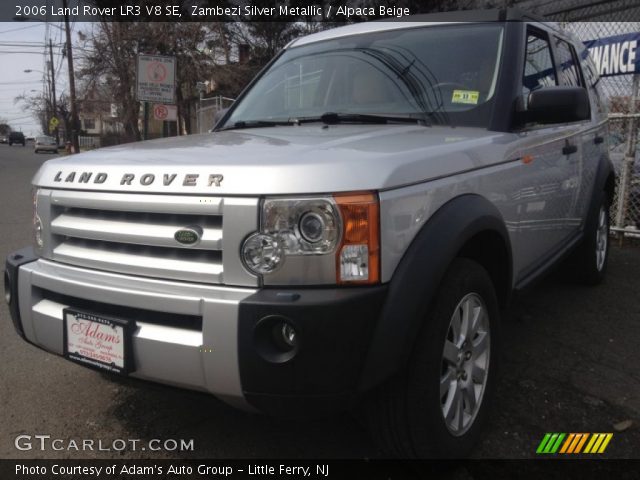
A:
x: 624, y: 183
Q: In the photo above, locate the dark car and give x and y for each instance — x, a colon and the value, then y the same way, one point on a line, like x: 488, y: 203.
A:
x: 17, y: 137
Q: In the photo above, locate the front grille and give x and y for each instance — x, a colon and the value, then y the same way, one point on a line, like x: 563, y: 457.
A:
x: 134, y: 234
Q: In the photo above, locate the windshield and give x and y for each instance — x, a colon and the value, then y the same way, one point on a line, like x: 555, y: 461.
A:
x: 447, y: 73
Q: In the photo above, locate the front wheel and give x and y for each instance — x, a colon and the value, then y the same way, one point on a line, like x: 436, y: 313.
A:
x: 437, y: 408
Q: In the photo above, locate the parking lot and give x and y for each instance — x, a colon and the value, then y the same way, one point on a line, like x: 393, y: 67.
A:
x: 570, y: 365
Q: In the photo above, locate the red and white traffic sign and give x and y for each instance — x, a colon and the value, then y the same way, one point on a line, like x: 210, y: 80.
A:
x: 165, y: 112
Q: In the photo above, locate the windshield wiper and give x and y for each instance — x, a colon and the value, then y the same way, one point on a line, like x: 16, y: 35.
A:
x: 332, y: 118
x: 256, y: 124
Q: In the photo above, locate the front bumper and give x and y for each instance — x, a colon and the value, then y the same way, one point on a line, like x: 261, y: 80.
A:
x: 46, y: 148
x: 210, y: 338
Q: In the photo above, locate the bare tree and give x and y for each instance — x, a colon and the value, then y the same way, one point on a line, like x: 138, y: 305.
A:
x: 38, y: 106
x: 110, y: 53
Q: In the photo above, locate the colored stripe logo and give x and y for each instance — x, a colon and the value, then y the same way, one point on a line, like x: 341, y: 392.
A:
x: 573, y: 443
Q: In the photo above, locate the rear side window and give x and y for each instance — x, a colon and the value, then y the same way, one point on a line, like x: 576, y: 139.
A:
x: 567, y: 65
x: 592, y: 79
x: 538, y: 65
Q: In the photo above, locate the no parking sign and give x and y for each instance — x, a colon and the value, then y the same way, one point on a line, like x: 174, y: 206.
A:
x: 165, y: 112
x: 156, y: 78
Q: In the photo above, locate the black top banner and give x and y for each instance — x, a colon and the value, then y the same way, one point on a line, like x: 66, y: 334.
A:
x: 254, y: 10
x: 206, y: 11
x: 257, y: 469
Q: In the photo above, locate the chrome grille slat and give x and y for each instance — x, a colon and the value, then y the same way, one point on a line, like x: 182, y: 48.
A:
x: 184, y: 205
x: 81, y: 224
x: 195, y: 265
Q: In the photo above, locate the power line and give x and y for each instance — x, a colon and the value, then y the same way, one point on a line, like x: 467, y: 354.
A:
x: 23, y: 44
x: 9, y: 52
x: 17, y: 29
x: 11, y: 119
x: 20, y: 83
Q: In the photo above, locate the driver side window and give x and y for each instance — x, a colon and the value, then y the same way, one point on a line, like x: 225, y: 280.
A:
x: 538, y: 65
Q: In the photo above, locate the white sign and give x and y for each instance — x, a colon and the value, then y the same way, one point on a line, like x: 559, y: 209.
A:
x: 156, y: 78
x: 617, y: 55
x: 165, y: 112
x: 96, y: 341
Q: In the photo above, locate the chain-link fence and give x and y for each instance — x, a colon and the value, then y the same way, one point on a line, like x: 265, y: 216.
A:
x: 207, y: 109
x: 621, y: 94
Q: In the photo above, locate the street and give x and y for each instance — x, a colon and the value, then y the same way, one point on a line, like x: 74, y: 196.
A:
x: 569, y: 365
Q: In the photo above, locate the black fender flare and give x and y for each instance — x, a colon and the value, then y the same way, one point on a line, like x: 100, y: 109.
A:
x: 418, y: 276
x: 605, y: 180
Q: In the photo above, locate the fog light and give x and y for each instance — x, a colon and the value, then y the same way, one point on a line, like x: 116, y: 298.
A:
x: 7, y: 288
x: 289, y: 334
x: 283, y: 335
x: 263, y: 253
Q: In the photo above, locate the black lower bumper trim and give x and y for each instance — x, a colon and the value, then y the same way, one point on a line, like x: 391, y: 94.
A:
x: 12, y: 265
x: 333, y: 329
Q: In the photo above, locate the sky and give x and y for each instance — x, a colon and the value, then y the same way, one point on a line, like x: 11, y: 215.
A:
x: 22, y: 47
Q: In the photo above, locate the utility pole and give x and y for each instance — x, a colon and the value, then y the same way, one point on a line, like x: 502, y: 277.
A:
x: 75, y: 123
x: 53, y: 88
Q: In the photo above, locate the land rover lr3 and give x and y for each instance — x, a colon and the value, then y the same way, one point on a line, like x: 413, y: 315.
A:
x: 355, y: 224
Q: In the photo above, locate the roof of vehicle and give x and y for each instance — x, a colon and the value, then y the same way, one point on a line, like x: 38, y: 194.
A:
x: 412, y: 21
x: 16, y: 134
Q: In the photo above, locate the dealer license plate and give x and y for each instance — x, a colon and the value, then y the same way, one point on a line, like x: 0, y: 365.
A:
x: 97, y: 341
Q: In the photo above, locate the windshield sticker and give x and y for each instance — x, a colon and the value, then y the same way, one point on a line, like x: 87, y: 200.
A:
x: 465, y: 96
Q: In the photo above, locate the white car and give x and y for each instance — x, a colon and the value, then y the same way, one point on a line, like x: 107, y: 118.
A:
x: 45, y: 144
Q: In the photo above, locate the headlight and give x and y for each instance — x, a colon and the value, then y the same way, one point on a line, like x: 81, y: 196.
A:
x: 305, y: 226
x: 324, y: 240
x: 263, y: 253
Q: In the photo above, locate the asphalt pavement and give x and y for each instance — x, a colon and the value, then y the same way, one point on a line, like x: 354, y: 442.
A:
x: 570, y: 364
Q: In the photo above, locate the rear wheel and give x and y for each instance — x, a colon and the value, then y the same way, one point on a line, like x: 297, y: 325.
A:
x: 588, y: 264
x: 437, y: 408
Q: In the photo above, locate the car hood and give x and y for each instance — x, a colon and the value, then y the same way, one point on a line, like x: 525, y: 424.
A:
x: 281, y: 160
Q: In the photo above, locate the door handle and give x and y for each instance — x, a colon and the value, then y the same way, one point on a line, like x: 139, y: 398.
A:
x: 598, y: 140
x: 569, y: 149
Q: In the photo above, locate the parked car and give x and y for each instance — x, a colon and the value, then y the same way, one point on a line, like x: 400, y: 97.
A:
x: 351, y: 231
x: 17, y: 137
x: 4, y: 139
x: 45, y: 144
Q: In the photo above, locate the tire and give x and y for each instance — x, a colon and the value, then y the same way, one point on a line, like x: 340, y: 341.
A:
x: 412, y: 417
x: 588, y: 264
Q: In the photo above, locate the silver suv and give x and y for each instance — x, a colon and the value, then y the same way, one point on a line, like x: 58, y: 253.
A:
x: 352, y: 229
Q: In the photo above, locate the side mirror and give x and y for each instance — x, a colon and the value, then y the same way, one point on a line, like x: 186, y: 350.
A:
x: 558, y: 105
